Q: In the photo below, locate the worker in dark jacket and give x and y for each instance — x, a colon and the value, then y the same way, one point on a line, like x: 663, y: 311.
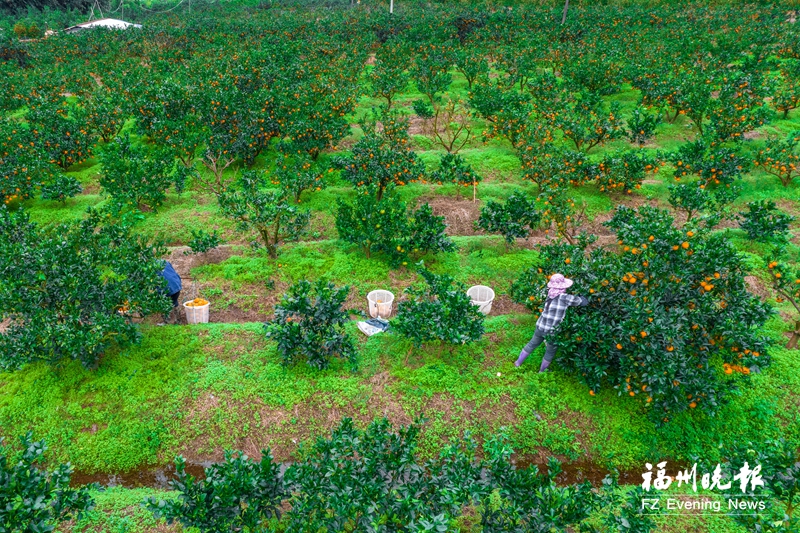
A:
x: 555, y: 307
x: 173, y: 282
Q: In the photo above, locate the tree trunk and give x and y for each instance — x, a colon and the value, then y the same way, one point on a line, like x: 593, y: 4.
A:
x: 564, y: 15
x: 792, y: 344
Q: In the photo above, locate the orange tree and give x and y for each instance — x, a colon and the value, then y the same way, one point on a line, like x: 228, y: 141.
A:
x: 389, y: 76
x: 69, y: 290
x: 166, y: 112
x: 508, y: 112
x: 587, y: 121
x: 713, y: 163
x: 388, y: 226
x: 23, y: 170
x: 381, y: 158
x: 780, y: 158
x: 625, y: 170
x: 666, y: 311
x: 552, y: 166
x: 740, y: 106
x: 60, y: 132
x: 135, y: 176
x: 785, y: 282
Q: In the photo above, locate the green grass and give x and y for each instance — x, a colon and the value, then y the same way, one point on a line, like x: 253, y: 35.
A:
x: 198, y: 390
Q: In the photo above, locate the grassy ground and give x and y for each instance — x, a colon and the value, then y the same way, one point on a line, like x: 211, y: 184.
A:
x: 198, y: 390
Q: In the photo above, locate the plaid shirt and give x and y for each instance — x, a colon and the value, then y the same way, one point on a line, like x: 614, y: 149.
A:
x: 554, y: 310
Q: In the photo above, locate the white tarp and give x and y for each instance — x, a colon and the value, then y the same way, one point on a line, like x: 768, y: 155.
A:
x: 114, y: 24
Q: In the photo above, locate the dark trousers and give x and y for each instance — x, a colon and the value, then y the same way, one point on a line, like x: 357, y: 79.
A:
x: 175, y: 297
x: 537, y: 339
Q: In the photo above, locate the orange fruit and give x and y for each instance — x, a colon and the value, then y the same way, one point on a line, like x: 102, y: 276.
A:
x: 591, y: 393
x: 684, y: 245
x: 693, y: 405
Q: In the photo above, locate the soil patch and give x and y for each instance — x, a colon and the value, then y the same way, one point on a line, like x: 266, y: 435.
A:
x: 416, y: 126
x: 459, y: 213
x: 183, y: 263
x: 757, y: 287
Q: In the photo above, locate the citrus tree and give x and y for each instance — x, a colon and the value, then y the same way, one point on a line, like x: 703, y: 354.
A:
x: 389, y: 76
x: 253, y: 206
x: 235, y: 494
x: 514, y: 219
x: 642, y: 125
x: 665, y: 310
x: 69, y: 290
x: 454, y: 169
x: 308, y: 325
x: 61, y: 132
x: 785, y: 282
x: 780, y: 158
x: 587, y: 121
x: 135, y: 176
x: 763, y: 221
x: 24, y: 171
x: 32, y: 499
x: 388, y: 226
x: 382, y: 157
x: 441, y: 311
x: 713, y: 163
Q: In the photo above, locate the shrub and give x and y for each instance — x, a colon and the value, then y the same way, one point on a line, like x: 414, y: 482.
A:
x: 422, y: 108
x: 780, y: 158
x: 642, y: 125
x: 664, y: 311
x: 268, y: 212
x: 202, y: 242
x: 514, y: 219
x: 764, y: 221
x: 441, y: 311
x: 454, y: 169
x: 64, y: 300
x: 237, y: 493
x: 33, y: 499
x: 780, y: 475
x: 309, y: 324
x: 136, y: 177
x: 529, y: 500
x: 61, y: 188
x: 357, y: 478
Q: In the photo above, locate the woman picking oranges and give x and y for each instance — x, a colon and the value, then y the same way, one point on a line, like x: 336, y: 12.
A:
x: 555, y: 307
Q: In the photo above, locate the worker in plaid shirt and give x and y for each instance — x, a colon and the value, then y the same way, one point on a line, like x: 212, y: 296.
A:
x: 555, y: 307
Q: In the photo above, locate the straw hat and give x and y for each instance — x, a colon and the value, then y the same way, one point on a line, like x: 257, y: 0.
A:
x: 558, y: 281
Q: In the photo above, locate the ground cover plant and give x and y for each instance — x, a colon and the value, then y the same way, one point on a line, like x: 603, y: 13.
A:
x: 651, y: 147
